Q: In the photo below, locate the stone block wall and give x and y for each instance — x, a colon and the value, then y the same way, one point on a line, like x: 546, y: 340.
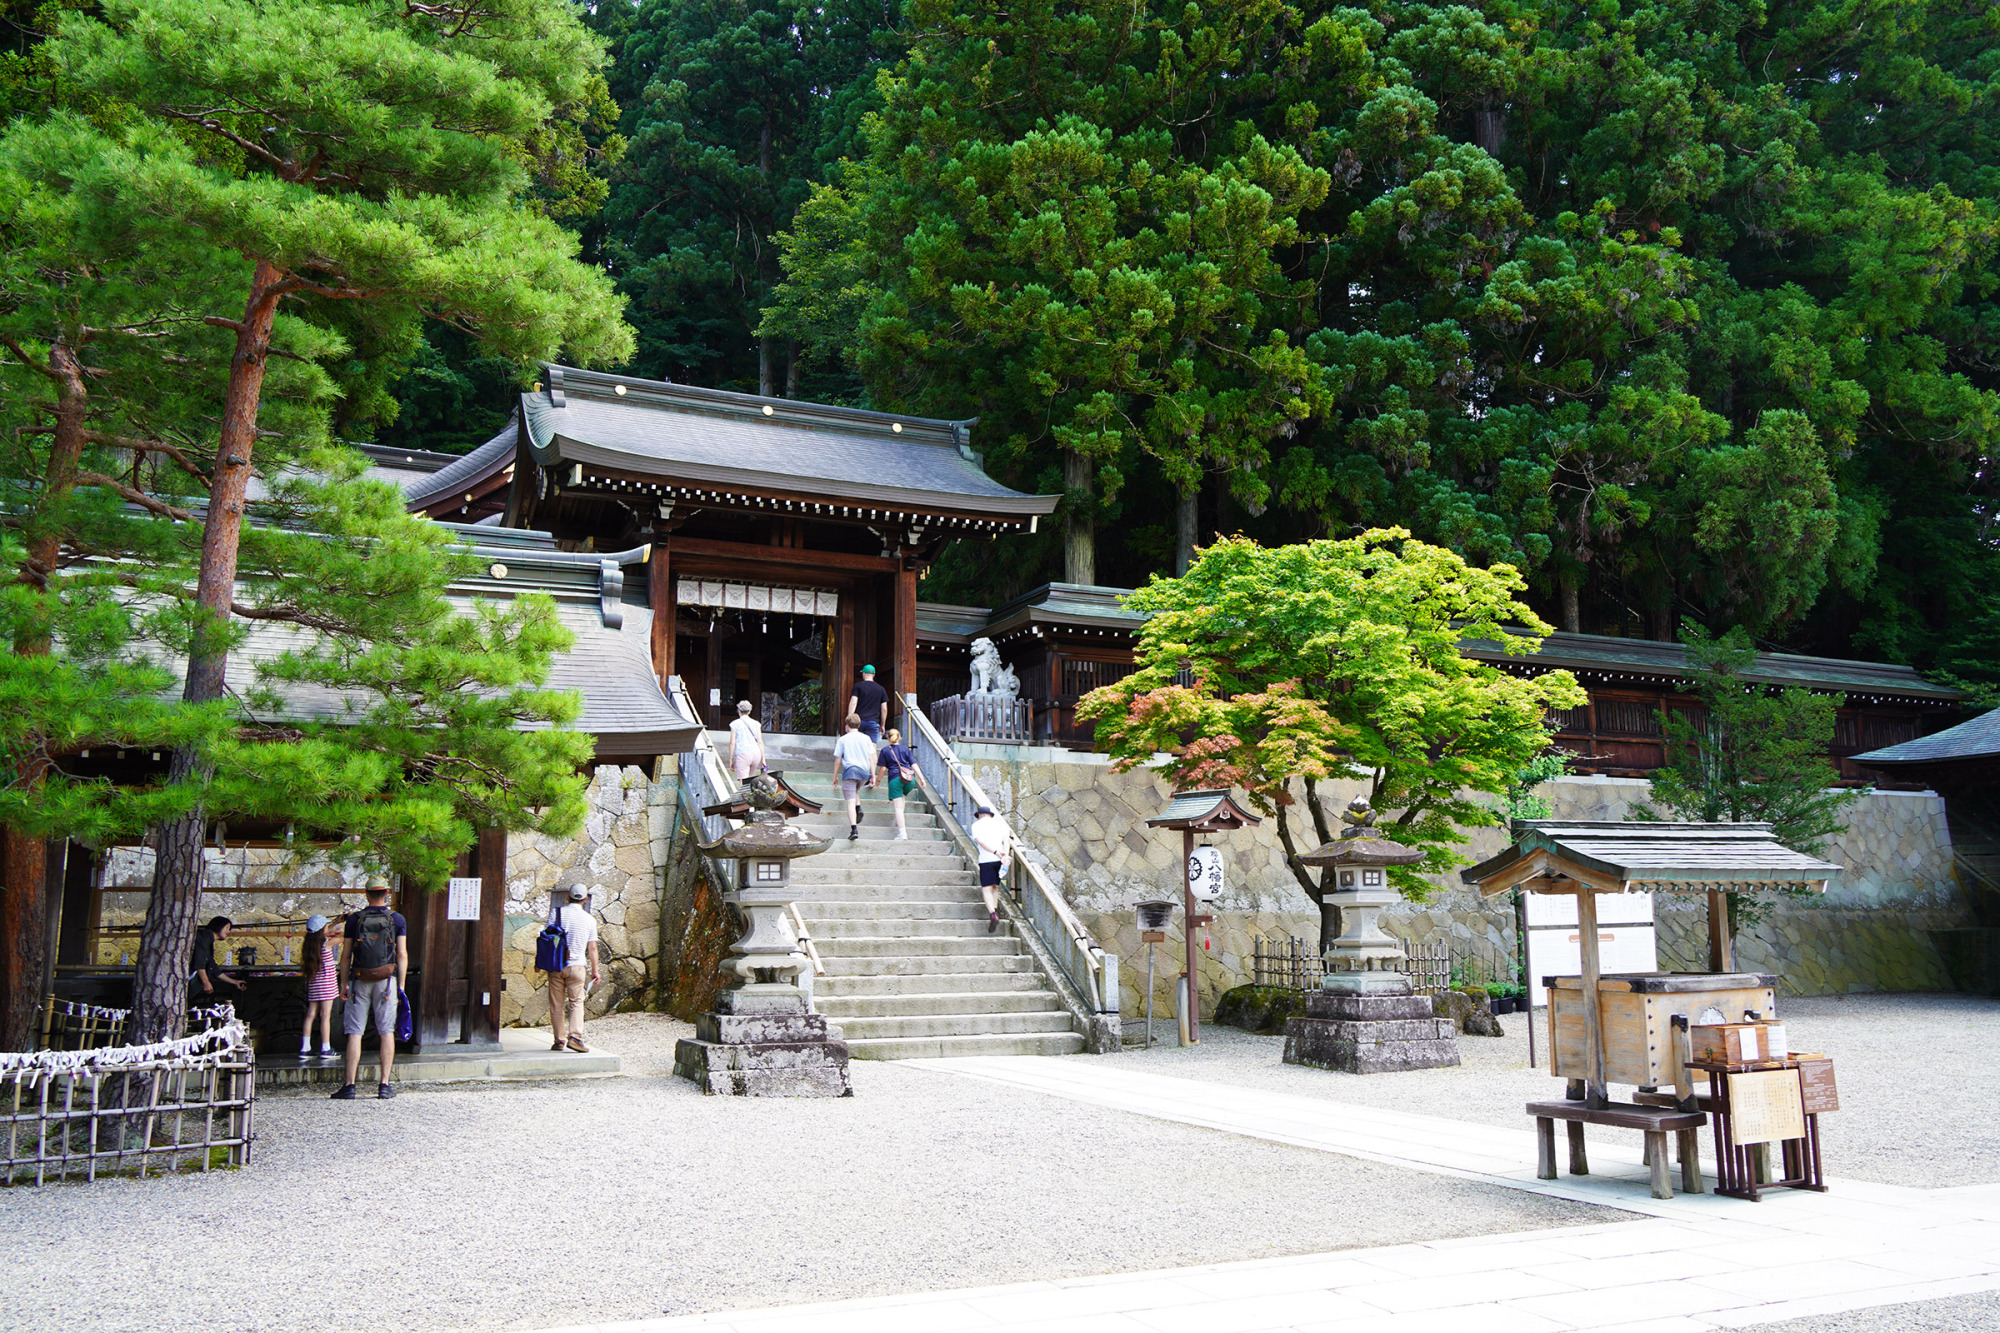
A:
x: 1086, y: 827
x: 618, y: 854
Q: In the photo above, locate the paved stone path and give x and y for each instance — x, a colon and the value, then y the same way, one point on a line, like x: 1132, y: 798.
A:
x: 1696, y: 1263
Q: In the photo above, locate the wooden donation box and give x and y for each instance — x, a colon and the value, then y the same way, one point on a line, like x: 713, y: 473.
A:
x: 1636, y: 1013
x: 1635, y: 1028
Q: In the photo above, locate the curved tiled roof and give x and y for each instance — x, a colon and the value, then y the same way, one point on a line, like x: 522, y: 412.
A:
x: 461, y: 474
x: 709, y: 437
x: 1662, y: 856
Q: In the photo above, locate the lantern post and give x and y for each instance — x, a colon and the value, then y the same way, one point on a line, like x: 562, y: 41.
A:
x: 1192, y: 812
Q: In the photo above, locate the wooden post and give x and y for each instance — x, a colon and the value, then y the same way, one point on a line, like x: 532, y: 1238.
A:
x: 711, y: 713
x: 906, y: 632
x: 1593, y: 1023
x: 430, y: 952
x: 1187, y: 917
x: 660, y: 592
x: 1721, y: 945
x: 488, y: 942
x: 834, y: 692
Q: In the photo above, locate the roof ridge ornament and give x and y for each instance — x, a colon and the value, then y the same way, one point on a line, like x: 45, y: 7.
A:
x: 556, y: 398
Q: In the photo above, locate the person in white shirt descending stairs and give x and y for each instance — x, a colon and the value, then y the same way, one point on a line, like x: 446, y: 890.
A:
x: 989, y: 832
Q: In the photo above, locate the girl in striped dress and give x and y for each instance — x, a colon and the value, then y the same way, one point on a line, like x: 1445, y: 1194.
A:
x: 322, y: 988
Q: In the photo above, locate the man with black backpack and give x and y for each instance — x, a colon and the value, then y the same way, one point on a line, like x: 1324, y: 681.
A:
x: 373, y: 968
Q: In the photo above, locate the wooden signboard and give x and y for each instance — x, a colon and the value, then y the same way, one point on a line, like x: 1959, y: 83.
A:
x: 1765, y: 1106
x: 1817, y: 1090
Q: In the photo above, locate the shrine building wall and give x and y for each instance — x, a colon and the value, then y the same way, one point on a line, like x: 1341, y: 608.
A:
x: 1086, y: 826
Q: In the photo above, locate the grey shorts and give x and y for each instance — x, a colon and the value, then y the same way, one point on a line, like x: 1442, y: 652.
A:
x: 370, y: 997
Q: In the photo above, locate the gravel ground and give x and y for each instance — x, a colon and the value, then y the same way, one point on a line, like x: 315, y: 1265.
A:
x: 1954, y: 1314
x: 1893, y: 1056
x: 482, y: 1206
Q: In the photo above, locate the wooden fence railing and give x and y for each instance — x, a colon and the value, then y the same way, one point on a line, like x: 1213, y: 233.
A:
x: 1288, y: 963
x: 179, y: 1105
x: 1002, y: 721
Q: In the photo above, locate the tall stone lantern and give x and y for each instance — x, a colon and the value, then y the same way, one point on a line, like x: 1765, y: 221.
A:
x: 762, y: 1038
x: 1366, y: 1018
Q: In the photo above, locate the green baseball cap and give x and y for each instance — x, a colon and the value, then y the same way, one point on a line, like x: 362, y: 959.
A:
x: 868, y: 671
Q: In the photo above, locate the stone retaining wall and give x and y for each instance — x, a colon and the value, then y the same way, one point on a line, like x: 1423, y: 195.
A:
x: 1086, y: 827
x: 618, y: 854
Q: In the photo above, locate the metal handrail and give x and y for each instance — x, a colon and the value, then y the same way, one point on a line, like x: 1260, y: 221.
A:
x: 704, y: 780
x: 1092, y: 970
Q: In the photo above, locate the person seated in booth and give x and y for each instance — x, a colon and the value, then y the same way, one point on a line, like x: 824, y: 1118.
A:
x: 203, y: 970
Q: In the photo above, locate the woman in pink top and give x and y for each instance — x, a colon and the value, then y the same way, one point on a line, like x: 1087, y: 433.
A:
x: 322, y: 988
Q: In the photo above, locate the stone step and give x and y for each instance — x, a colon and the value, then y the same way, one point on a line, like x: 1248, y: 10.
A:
x: 965, y: 908
x: 890, y: 894
x: 833, y: 934
x: 853, y: 963
x: 876, y: 830
x: 874, y: 810
x: 916, y: 1004
x: 828, y: 871
x: 953, y: 1025
x: 934, y: 1048
x: 915, y: 852
x: 921, y: 946
x: 945, y: 976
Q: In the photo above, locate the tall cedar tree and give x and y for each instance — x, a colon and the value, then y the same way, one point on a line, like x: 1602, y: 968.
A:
x: 1337, y: 660
x: 733, y: 109
x: 1748, y: 752
x: 1680, y: 308
x: 368, y: 166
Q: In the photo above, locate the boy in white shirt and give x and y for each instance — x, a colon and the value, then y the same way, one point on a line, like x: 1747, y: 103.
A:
x: 854, y: 768
x: 989, y: 833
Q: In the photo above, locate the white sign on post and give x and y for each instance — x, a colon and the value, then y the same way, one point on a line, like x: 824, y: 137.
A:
x: 462, y: 899
x: 1204, y: 872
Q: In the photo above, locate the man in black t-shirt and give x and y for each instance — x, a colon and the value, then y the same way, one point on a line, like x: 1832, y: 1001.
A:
x: 870, y: 703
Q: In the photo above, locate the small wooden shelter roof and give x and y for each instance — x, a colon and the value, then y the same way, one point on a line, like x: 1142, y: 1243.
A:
x: 1657, y: 857
x: 1973, y: 740
x: 1203, y: 811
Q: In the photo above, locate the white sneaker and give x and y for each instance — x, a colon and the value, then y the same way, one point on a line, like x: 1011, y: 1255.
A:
x: 900, y: 837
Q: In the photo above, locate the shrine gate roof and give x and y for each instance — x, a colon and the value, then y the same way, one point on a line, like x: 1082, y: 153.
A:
x: 693, y: 442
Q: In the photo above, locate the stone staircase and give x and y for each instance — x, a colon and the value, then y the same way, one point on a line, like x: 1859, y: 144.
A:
x: 901, y: 930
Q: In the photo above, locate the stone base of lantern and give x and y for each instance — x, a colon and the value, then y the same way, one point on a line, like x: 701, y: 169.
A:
x: 764, y: 1045
x: 1370, y: 1023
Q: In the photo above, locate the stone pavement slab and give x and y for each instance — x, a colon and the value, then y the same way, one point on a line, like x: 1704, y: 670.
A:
x: 1693, y: 1264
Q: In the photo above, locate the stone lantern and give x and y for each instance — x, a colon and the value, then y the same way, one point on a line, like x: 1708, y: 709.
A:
x: 1366, y: 1018
x: 762, y: 1039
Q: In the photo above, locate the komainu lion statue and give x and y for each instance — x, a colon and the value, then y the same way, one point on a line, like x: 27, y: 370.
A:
x: 991, y: 680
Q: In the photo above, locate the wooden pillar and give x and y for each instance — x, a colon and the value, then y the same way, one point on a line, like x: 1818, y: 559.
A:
x: 660, y: 592
x: 1188, y: 906
x: 430, y: 955
x: 1721, y: 944
x: 906, y: 637
x: 841, y: 668
x: 709, y: 711
x: 489, y: 937
x: 1593, y: 1023
x: 75, y: 926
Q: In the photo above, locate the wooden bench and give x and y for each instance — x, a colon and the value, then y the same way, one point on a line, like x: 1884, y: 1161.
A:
x: 1655, y: 1122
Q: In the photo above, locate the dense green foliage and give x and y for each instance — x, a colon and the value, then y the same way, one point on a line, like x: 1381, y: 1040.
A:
x: 733, y: 109
x: 224, y: 224
x: 1683, y: 309
x: 1748, y: 752
x: 1337, y: 660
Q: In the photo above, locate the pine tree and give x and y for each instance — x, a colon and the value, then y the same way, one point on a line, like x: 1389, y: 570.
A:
x: 381, y: 176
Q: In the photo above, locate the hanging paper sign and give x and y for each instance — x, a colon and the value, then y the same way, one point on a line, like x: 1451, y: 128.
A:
x: 462, y: 899
x: 1204, y: 872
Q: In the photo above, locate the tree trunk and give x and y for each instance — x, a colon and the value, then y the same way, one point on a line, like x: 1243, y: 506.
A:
x: 159, y: 985
x: 792, y: 368
x: 1080, y: 532
x: 764, y: 377
x: 24, y: 919
x: 1572, y: 610
x: 1189, y: 529
x: 1329, y: 922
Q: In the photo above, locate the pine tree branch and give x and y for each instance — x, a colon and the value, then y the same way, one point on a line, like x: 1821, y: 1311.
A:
x: 137, y: 497
x: 41, y: 368
x: 148, y: 446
